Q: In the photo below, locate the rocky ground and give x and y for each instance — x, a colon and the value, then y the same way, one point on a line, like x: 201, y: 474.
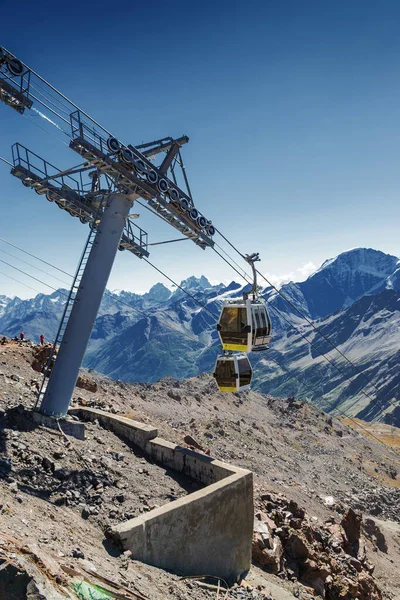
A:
x: 62, y: 495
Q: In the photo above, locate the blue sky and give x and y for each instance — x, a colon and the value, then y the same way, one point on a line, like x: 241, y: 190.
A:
x: 291, y: 108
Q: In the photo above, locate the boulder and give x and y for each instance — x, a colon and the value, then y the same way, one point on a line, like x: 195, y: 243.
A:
x: 267, y: 553
x: 41, y: 356
x: 87, y: 383
x: 351, y: 523
x: 296, y: 546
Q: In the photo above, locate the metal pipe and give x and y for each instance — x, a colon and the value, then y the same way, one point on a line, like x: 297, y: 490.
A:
x: 65, y: 372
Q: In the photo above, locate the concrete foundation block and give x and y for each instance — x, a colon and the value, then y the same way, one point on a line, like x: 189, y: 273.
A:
x: 208, y: 532
x: 68, y: 426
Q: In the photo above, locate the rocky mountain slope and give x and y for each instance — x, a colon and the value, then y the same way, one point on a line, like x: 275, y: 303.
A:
x: 354, y: 301
x: 58, y: 497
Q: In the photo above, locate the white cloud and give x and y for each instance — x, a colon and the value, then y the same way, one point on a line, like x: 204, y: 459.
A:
x: 307, y: 269
x: 300, y: 274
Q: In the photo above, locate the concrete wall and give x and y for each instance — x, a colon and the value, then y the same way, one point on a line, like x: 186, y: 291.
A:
x: 129, y: 430
x: 208, y: 532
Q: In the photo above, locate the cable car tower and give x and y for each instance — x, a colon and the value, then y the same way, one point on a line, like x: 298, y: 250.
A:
x: 100, y: 192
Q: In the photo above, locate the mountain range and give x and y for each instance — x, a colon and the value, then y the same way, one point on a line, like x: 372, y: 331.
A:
x: 352, y: 302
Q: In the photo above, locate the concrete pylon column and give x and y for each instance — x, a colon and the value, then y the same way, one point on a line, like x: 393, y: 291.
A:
x: 65, y: 372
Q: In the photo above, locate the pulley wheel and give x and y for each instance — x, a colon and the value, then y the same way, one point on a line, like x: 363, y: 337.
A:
x: 184, y: 204
x: 140, y: 165
x: 210, y: 230
x: 113, y: 144
x: 15, y: 67
x: 127, y: 156
x: 163, y: 185
x: 202, y: 221
x: 174, y: 194
x: 152, y: 176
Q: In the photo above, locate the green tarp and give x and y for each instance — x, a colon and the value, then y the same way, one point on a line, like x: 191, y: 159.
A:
x: 87, y: 591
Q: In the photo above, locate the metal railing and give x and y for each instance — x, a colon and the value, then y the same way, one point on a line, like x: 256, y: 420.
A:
x: 44, y: 170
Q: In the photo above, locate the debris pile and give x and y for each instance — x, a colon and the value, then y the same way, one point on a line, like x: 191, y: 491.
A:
x: 101, y: 478
x: 378, y: 501
x: 64, y: 495
x: 29, y: 573
x: 329, y: 558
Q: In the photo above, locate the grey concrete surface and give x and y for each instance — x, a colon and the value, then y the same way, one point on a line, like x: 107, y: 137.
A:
x: 68, y: 426
x: 127, y: 429
x: 198, y: 466
x: 208, y: 532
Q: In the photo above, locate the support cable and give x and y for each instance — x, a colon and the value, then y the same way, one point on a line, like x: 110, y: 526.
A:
x: 6, y: 161
x: 31, y: 120
x: 59, y: 106
x: 21, y: 282
x: 313, y: 326
x: 181, y: 288
x: 232, y: 260
x: 181, y: 333
x: 36, y: 257
x: 33, y: 266
x: 328, y: 359
x: 54, y: 113
x: 232, y: 267
x: 27, y: 274
x: 342, y: 413
x: 62, y: 95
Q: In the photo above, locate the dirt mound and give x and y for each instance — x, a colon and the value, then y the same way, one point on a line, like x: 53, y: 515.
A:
x: 64, y: 495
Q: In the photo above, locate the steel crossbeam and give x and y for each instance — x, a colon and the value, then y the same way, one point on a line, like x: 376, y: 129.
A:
x: 70, y: 195
x: 129, y: 173
x: 93, y: 148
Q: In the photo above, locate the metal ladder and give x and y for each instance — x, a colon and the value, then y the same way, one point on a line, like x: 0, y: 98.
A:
x: 67, y: 309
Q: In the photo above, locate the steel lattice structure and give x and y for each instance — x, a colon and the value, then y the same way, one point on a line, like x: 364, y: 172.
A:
x: 100, y: 191
x: 125, y: 168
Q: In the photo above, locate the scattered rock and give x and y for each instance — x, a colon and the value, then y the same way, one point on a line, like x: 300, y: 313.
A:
x: 329, y: 558
x: 77, y: 553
